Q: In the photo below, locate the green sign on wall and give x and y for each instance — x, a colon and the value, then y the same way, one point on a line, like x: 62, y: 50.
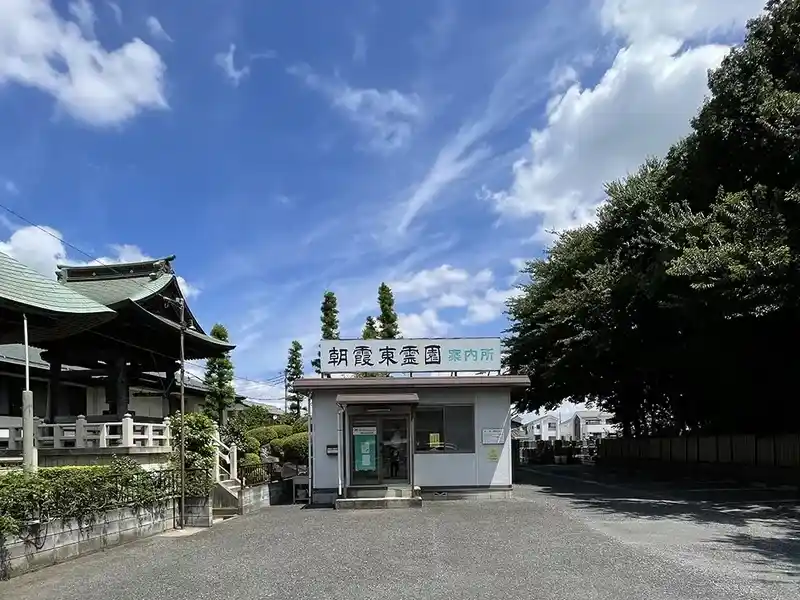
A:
x: 364, y: 447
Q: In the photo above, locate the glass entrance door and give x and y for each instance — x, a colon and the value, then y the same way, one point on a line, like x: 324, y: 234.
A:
x: 394, y: 449
x: 379, y: 450
x: 365, y: 469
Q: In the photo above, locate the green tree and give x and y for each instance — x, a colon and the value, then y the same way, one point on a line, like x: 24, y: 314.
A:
x: 370, y: 331
x: 676, y: 309
x: 388, y: 326
x: 294, y: 371
x: 219, y: 380
x: 330, y: 324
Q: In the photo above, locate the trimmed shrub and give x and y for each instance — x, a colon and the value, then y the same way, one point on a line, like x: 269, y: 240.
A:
x: 292, y: 448
x: 251, y: 445
x: 265, y: 435
x: 300, y: 425
x: 250, y: 459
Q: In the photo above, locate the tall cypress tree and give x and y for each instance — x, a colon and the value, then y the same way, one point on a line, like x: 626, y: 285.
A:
x: 370, y: 331
x: 218, y: 380
x: 330, y: 324
x: 389, y: 328
x: 294, y: 371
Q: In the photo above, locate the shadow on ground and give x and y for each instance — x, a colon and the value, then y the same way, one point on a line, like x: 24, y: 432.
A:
x: 597, y: 490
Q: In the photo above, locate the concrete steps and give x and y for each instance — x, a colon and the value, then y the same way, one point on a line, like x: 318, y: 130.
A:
x: 380, y: 497
x: 372, y: 503
x: 224, y: 513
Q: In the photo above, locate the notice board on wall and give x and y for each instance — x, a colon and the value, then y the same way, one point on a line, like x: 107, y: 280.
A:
x: 365, y: 448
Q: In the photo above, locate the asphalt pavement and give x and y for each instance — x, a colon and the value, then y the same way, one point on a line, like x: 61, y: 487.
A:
x: 567, y: 534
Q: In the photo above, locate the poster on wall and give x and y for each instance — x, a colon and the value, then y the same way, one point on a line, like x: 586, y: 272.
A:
x: 365, y: 448
x: 429, y: 355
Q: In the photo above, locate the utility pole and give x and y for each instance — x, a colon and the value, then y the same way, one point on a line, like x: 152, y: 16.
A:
x: 285, y: 393
x: 29, y: 458
x: 182, y: 305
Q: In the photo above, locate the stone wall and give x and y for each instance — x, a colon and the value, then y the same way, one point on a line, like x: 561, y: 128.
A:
x: 148, y: 457
x: 54, y: 542
x: 199, y: 511
x: 259, y: 496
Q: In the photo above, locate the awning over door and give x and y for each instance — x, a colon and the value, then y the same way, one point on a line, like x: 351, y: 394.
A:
x: 377, y: 398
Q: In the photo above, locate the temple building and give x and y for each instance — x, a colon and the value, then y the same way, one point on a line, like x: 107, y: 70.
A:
x: 109, y: 328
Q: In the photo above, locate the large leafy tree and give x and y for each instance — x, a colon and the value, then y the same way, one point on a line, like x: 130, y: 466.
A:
x: 329, y: 320
x: 218, y: 380
x: 678, y: 308
x: 294, y: 371
x: 388, y: 324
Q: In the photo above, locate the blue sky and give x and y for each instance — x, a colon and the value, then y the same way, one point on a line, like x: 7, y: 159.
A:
x: 281, y: 149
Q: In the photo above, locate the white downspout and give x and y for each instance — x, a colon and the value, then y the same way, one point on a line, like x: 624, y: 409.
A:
x: 339, y: 448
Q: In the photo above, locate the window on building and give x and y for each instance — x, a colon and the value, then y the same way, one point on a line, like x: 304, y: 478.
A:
x: 593, y: 421
x: 551, y: 426
x: 445, y: 429
x: 538, y: 426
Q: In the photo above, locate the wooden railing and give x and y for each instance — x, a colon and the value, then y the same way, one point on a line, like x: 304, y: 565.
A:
x: 82, y: 434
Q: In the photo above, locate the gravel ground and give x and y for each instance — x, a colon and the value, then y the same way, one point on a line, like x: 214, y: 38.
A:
x: 552, y: 541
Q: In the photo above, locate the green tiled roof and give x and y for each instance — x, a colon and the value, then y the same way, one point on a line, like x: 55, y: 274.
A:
x: 201, y: 337
x: 27, y: 289
x: 113, y: 291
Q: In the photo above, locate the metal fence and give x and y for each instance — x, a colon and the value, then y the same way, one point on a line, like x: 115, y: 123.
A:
x: 257, y: 474
x: 268, y: 472
x: 764, y: 451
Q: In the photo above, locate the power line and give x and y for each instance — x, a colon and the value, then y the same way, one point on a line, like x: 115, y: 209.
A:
x: 270, y: 382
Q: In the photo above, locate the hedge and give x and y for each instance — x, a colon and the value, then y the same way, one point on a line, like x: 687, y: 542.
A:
x: 300, y: 425
x: 78, y: 492
x: 250, y: 459
x: 293, y: 447
x: 265, y: 435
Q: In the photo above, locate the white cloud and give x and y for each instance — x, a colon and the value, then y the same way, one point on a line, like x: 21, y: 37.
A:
x: 92, y: 84
x: 642, y: 20
x: 157, y: 30
x: 84, y: 16
x: 225, y: 61
x: 641, y: 105
x: 447, y: 287
x: 515, y: 90
x: 117, y: 12
x: 41, y: 248
x: 425, y: 324
x: 387, y: 117
x: 36, y: 248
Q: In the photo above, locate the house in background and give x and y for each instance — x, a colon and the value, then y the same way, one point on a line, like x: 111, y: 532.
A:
x: 583, y: 424
x: 544, y: 428
x: 587, y: 424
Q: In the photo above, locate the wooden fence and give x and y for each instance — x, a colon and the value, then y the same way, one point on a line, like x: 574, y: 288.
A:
x: 763, y: 451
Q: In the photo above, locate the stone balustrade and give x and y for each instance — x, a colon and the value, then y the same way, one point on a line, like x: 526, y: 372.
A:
x: 82, y: 434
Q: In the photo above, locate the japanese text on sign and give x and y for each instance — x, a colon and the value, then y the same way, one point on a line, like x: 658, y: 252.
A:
x: 412, y: 355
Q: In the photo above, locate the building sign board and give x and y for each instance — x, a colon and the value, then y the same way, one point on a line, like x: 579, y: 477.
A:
x: 410, y: 355
x: 491, y: 436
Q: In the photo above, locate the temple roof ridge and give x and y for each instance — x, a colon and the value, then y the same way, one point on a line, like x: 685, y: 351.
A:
x: 97, y: 272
